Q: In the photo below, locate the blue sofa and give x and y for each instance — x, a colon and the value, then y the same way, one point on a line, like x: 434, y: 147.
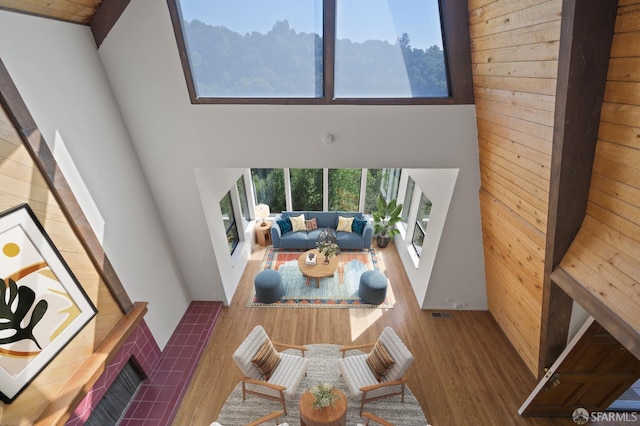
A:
x: 307, y: 239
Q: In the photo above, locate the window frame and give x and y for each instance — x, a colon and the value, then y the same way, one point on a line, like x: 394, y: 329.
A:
x: 233, y: 224
x: 456, y: 46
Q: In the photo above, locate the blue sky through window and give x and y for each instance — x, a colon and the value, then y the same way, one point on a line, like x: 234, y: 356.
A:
x: 363, y: 19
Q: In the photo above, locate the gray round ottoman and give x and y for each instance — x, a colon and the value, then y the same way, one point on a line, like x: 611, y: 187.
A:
x: 373, y: 287
x: 269, y: 286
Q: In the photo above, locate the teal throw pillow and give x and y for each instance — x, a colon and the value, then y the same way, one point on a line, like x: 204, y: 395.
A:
x: 358, y: 225
x: 285, y: 225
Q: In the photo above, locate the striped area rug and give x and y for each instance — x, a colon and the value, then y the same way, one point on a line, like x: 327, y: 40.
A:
x: 337, y: 291
x: 323, y: 367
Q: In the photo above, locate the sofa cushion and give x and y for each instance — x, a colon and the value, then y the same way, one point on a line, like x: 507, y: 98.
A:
x: 295, y: 240
x: 297, y: 222
x: 311, y: 224
x: 324, y: 219
x: 358, y: 225
x: 344, y: 224
x: 285, y: 225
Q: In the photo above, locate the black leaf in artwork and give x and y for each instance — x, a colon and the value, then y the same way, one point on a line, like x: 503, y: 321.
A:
x: 11, y: 319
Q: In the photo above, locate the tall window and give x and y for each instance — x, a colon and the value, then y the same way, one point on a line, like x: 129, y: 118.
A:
x: 422, y: 221
x: 406, y: 206
x: 244, y: 204
x: 306, y: 189
x: 268, y: 185
x: 344, y: 189
x: 380, y: 182
x: 229, y: 221
x: 277, y: 50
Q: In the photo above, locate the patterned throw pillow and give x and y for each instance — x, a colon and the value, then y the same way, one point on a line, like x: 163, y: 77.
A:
x: 298, y: 223
x: 266, y: 359
x: 311, y: 224
x: 344, y: 224
x: 379, y: 360
x: 285, y: 225
x: 358, y: 225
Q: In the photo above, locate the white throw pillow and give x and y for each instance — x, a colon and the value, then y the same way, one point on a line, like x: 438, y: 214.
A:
x: 297, y: 222
x: 344, y: 224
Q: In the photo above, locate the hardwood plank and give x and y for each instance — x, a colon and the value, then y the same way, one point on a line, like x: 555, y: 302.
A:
x: 535, y: 195
x: 531, y: 52
x: 545, y: 32
x: 521, y: 99
x: 624, y: 69
x: 542, y: 86
x: 620, y: 134
x: 628, y: 19
x: 527, y: 171
x: 513, y: 134
x: 625, y: 44
x: 628, y: 115
x: 450, y: 379
x: 533, y: 115
x: 526, y: 17
x: 533, y: 69
x: 498, y: 8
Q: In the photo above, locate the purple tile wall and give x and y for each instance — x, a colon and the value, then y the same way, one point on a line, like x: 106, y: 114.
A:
x: 169, y: 373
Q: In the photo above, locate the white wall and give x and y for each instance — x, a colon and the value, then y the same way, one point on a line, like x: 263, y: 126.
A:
x: 56, y: 69
x: 173, y: 138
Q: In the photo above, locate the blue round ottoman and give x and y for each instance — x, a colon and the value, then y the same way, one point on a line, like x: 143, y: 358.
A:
x: 269, y: 286
x: 373, y: 287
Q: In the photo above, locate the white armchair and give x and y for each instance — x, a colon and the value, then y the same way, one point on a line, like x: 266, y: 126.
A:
x: 281, y: 382
x: 361, y: 380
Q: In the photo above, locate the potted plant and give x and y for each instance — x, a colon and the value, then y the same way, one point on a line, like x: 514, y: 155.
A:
x: 324, y: 395
x: 385, y: 219
x: 328, y: 248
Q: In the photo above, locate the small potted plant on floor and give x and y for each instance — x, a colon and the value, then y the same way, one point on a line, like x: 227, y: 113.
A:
x: 385, y: 219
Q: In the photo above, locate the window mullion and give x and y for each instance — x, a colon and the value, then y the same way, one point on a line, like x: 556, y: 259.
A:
x: 329, y: 46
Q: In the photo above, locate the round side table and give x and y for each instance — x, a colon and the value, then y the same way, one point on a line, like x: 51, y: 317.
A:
x: 335, y: 415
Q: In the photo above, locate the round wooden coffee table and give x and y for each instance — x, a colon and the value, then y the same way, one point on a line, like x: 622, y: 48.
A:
x: 320, y: 269
x: 334, y: 415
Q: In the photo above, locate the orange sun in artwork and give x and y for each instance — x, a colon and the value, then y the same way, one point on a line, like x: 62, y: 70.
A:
x: 11, y: 249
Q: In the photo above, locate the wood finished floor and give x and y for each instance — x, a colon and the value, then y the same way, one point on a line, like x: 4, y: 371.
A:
x: 465, y: 371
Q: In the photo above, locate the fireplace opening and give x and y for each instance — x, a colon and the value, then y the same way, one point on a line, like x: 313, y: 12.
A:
x: 116, y: 400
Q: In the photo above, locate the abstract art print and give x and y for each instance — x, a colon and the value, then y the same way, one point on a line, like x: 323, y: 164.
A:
x: 42, y: 304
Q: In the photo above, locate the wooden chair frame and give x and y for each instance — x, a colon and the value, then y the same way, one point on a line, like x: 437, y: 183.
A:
x: 247, y: 380
x: 365, y: 389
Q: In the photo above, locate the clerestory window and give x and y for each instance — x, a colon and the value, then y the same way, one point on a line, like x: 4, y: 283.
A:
x: 323, y: 51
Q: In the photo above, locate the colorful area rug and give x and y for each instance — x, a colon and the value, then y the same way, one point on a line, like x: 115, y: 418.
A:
x: 337, y: 291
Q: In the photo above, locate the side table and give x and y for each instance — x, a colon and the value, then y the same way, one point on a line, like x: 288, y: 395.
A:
x: 335, y: 415
x: 263, y: 233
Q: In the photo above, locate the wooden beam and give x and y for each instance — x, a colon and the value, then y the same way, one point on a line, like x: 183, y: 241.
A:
x: 106, y: 17
x: 81, y: 383
x: 585, y: 48
x: 42, y: 156
x: 622, y: 331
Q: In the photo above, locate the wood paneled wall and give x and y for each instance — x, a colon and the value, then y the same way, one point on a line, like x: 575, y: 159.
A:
x: 22, y: 182
x: 515, y: 49
x: 78, y: 11
x: 605, y: 256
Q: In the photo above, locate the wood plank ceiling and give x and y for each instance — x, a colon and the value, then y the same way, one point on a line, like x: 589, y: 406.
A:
x: 77, y: 11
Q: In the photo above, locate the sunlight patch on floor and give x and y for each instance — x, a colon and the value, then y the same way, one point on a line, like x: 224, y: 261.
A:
x: 362, y: 319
